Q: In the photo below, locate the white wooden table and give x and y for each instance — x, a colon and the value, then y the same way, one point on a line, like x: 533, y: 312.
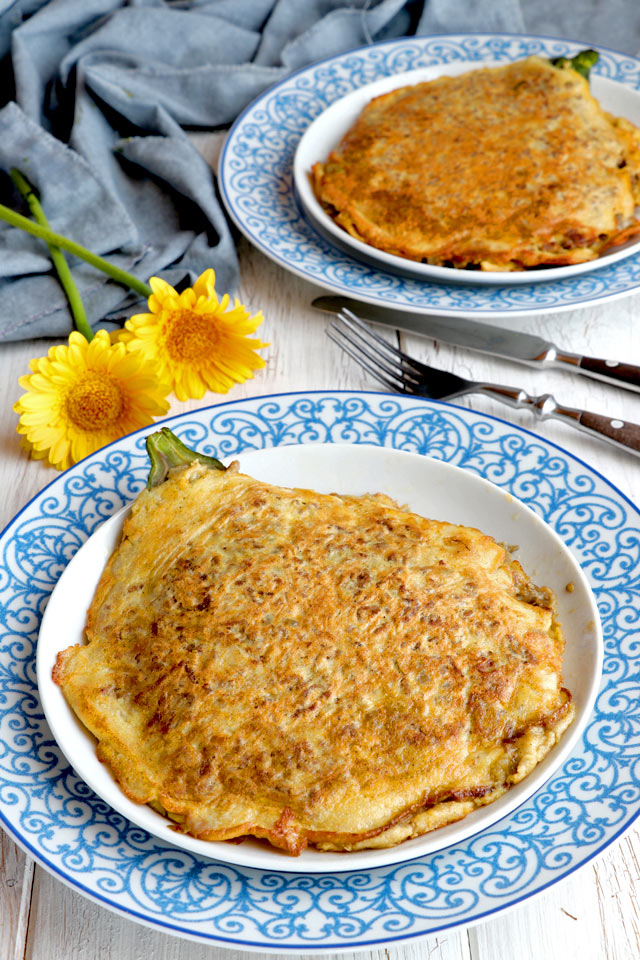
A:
x: 594, y: 914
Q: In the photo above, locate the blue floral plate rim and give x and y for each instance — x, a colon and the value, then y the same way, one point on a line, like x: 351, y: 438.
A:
x: 255, y: 180
x: 495, y: 434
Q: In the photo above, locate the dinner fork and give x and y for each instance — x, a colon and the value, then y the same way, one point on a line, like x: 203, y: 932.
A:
x: 403, y: 374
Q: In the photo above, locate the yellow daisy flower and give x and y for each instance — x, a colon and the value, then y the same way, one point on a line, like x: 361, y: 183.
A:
x: 197, y: 341
x: 84, y: 395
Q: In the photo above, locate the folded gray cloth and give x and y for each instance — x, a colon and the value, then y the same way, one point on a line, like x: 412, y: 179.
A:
x: 96, y: 96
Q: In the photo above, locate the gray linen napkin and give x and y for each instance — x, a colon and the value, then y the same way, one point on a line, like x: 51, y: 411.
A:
x: 96, y: 97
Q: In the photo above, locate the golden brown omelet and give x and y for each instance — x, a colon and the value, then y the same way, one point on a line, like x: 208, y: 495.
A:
x: 501, y: 168
x: 313, y: 669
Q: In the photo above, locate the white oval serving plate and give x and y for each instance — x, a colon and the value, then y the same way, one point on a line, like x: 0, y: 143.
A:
x: 430, y: 487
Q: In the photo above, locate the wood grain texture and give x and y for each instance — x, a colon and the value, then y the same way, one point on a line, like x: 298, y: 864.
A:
x: 594, y: 914
x: 16, y: 881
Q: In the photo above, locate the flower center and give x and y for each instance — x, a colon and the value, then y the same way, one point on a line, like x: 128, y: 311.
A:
x: 93, y: 402
x: 190, y: 337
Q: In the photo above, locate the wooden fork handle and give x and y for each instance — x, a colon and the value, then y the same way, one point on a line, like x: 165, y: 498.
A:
x: 621, y: 433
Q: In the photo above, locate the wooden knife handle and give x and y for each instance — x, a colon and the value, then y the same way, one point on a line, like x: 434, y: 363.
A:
x: 620, y: 374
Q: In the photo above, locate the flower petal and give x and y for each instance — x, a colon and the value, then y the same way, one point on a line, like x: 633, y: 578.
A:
x: 84, y: 395
x: 205, y: 285
x: 196, y: 342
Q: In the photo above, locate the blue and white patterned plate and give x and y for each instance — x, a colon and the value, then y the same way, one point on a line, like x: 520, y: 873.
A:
x: 256, y: 178
x: 429, y: 487
x: 587, y: 803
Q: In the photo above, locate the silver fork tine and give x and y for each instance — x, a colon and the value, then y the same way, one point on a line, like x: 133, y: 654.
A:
x: 358, y: 325
x: 356, y: 337
x: 376, y: 358
x: 394, y: 382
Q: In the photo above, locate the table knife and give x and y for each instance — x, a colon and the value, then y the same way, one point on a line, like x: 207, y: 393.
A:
x: 485, y: 338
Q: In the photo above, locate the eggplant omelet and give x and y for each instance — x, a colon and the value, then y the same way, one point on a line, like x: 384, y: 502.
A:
x: 313, y: 669
x: 500, y: 169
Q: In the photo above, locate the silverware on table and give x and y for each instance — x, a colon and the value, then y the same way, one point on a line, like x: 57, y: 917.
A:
x: 511, y: 344
x: 401, y: 373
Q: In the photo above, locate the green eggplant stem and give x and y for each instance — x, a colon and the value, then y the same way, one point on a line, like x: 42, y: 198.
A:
x: 581, y: 63
x: 57, y: 257
x: 166, y: 452
x: 57, y: 240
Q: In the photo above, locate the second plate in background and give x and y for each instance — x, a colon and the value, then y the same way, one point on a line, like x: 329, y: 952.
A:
x: 256, y: 180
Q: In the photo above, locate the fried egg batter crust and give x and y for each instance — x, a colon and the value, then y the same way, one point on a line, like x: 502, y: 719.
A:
x: 502, y: 168
x: 312, y: 669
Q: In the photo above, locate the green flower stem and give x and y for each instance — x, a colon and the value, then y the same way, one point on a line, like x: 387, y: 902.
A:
x: 62, y: 267
x: 57, y: 240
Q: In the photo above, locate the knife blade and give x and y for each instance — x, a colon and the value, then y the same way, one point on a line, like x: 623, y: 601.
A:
x: 485, y: 338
